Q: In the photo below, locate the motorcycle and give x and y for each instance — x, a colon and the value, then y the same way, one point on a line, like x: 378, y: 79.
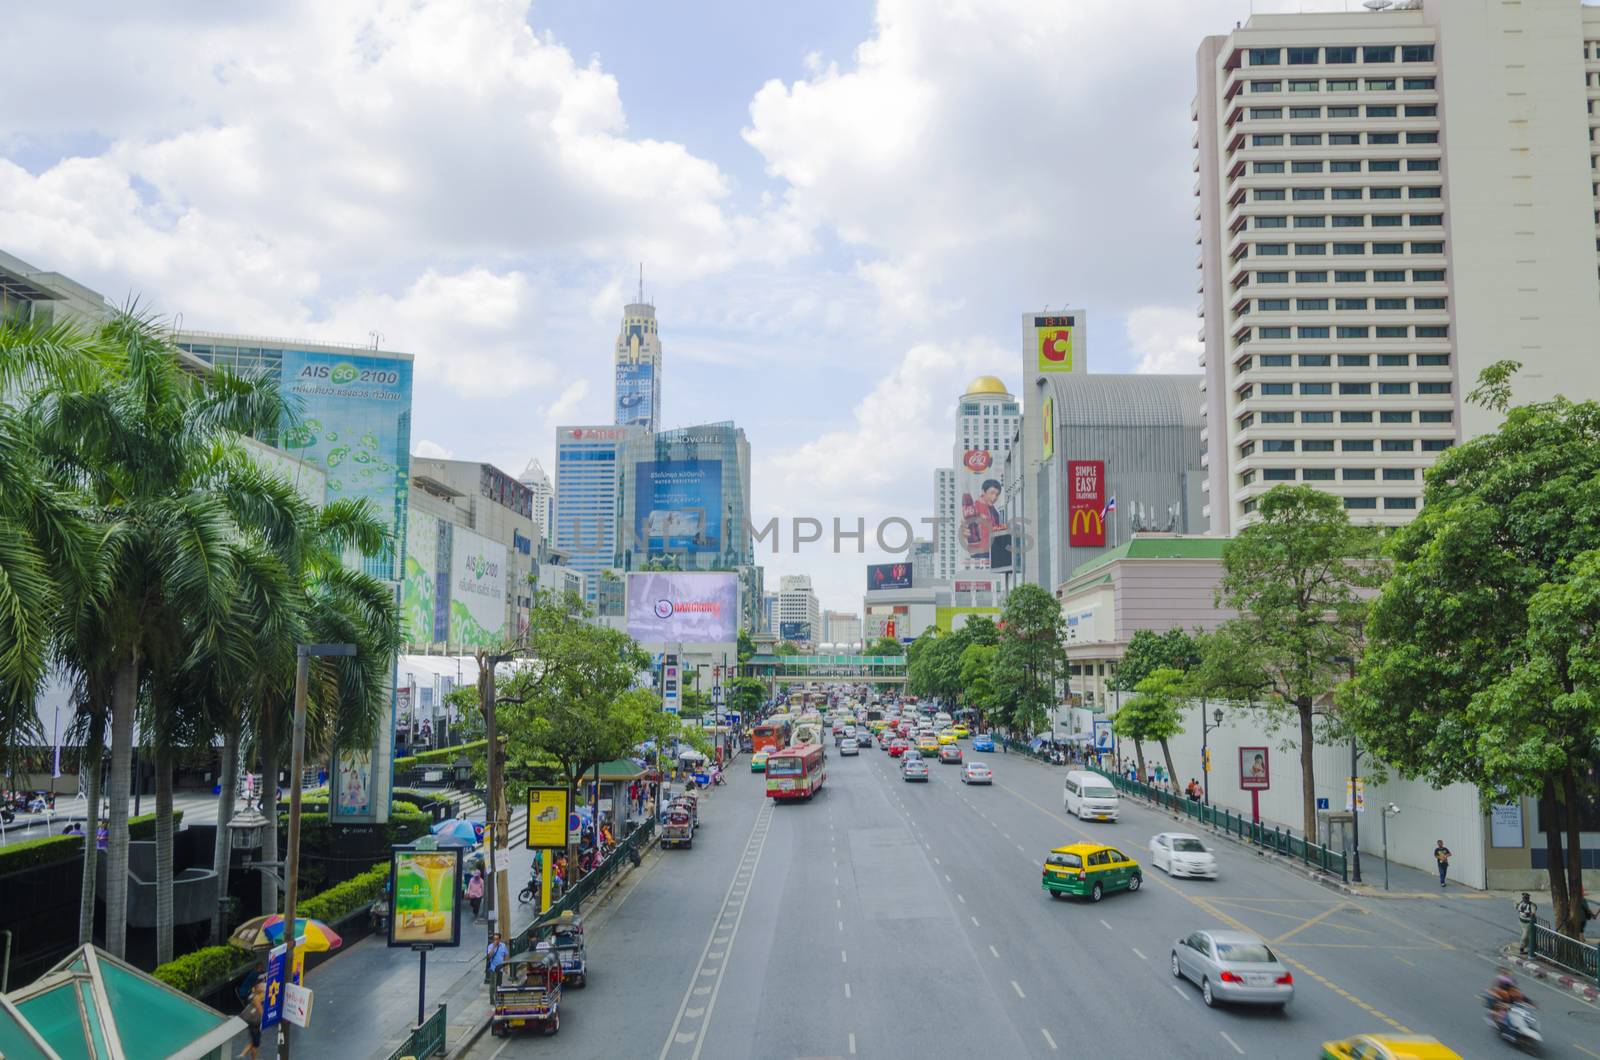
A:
x: 1518, y: 1025
x: 378, y: 916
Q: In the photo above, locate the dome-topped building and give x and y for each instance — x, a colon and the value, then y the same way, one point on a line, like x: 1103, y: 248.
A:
x: 987, y: 384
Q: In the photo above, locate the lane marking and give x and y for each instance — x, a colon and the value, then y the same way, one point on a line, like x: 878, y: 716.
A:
x: 1051, y: 1042
x: 852, y: 1043
x: 1582, y: 1049
x: 1402, y: 960
x: 974, y: 921
x: 838, y: 903
x: 1180, y: 993
x: 963, y: 901
x: 1313, y: 922
x: 844, y: 957
x: 1105, y: 925
x: 847, y: 991
x: 994, y: 951
x: 947, y: 877
x: 1231, y: 1042
x: 1018, y: 989
x: 756, y: 843
x: 1136, y: 952
x: 841, y: 925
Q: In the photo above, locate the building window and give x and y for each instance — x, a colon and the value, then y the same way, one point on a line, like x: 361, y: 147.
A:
x: 1317, y: 445
x: 1263, y: 56
x: 1309, y: 305
x: 1394, y: 417
x: 1361, y: 503
x: 1267, y: 140
x: 1422, y: 137
x: 1345, y: 166
x: 1306, y: 167
x: 1277, y: 417
x: 1277, y: 474
x: 1269, y: 194
x: 1269, y: 250
x: 1354, y: 332
x: 1311, y: 277
x: 1311, y: 249
x: 1247, y: 421
x: 1303, y: 221
x: 1272, y: 277
x: 1303, y: 86
x: 1317, y: 474
x: 1348, y: 389
x: 1272, y: 333
x: 1350, y: 276
x: 1415, y: 53
x: 1433, y: 388
x: 1350, y: 303
x: 1305, y: 140
x: 1399, y: 474
x: 1398, y: 445
x: 1436, y: 445
x: 1434, y: 416
x: 1308, y: 194
x: 1344, y: 112
x: 1432, y: 331
x: 1383, y: 165
x: 1356, y: 445
x: 1259, y: 113
x: 1305, y: 112
x: 1269, y: 167
x: 1428, y: 303
x: 1272, y: 305
x: 1360, y: 474
x: 1422, y: 110
x: 1394, y: 388
x: 1422, y: 165
x: 1389, y: 276
x: 1378, y: 53
x: 1340, y: 55
x: 1355, y: 417
x: 1316, y: 389
x: 1401, y: 503
x: 1343, y: 139
x: 1301, y: 56
x: 1272, y: 222
x: 1344, y: 85
x: 1415, y: 84
x: 1430, y: 192
x: 1391, y: 331
x: 1345, y: 194
x: 1387, y: 220
x: 1275, y: 389
x: 1433, y: 360
x: 1384, y: 193
x: 1247, y: 450
x: 1355, y: 360
x: 1316, y: 417
x: 1389, y: 111
x: 1312, y: 333
x: 1380, y: 84
x: 1427, y: 275
x: 1277, y: 445
x: 1349, y: 248
x: 1394, y: 360
x: 1248, y: 507
x: 1266, y: 86
x: 1380, y: 139
x: 1388, y: 248
x: 1390, y: 303
x: 1349, y: 221
x: 1315, y: 360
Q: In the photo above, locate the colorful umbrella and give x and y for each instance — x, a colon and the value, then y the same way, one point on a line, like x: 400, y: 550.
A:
x: 264, y: 932
x: 472, y: 831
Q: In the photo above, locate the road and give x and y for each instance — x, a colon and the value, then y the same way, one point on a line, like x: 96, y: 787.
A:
x: 894, y: 919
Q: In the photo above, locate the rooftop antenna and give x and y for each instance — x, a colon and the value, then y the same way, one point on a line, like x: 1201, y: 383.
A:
x: 641, y: 283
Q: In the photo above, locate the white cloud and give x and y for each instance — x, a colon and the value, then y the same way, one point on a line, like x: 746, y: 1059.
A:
x: 562, y: 408
x: 1166, y: 340
x: 431, y: 449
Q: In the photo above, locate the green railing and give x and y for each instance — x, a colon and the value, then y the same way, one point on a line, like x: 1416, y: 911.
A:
x: 1575, y: 955
x: 573, y: 897
x: 1277, y: 839
x: 424, y: 1040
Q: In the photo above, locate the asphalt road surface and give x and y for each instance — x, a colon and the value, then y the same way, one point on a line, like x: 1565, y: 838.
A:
x: 906, y: 920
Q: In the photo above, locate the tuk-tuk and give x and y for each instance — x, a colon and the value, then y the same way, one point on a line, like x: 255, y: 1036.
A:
x: 692, y: 801
x: 679, y: 829
x: 527, y: 992
x: 567, y: 939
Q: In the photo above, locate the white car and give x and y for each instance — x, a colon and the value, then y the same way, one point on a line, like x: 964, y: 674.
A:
x: 1182, y: 854
x: 849, y: 747
x: 976, y: 773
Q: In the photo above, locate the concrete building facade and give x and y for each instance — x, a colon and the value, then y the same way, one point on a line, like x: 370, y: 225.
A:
x: 586, y: 499
x: 799, y: 613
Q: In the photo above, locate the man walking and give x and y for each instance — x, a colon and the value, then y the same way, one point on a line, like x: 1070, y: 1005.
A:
x: 1441, y: 855
x: 1528, y: 916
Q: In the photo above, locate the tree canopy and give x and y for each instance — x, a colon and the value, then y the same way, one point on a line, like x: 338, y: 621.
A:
x: 1031, y: 658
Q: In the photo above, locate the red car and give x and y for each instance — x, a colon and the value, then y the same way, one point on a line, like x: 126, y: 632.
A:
x: 897, y: 748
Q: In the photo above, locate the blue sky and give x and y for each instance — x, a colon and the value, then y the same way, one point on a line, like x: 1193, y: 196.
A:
x: 843, y: 207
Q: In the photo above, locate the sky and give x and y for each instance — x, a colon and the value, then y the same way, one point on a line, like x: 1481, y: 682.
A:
x: 842, y: 207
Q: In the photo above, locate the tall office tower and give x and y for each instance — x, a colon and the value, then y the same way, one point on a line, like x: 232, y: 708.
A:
x: 842, y: 630
x: 967, y: 496
x: 799, y: 614
x: 1389, y: 201
x: 923, y: 557
x: 586, y: 499
x: 537, y: 479
x: 639, y: 366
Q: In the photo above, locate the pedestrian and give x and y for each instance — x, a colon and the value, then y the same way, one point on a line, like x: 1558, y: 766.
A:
x: 252, y: 1020
x: 1441, y: 855
x: 475, y: 891
x: 1528, y: 916
x: 497, y: 953
x: 247, y: 985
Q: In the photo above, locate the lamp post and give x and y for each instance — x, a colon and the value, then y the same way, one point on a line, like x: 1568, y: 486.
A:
x: 1389, y: 810
x: 1355, y: 813
x: 297, y: 764
x: 498, y: 824
x: 1205, y: 745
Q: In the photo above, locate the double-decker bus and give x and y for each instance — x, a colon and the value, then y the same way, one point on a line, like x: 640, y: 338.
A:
x: 771, y: 735
x: 799, y: 774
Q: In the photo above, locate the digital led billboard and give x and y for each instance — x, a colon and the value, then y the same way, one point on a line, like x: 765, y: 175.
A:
x: 634, y: 393
x: 889, y: 576
x: 667, y: 607
x: 678, y: 505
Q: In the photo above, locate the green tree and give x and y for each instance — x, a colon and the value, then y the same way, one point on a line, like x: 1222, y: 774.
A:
x: 1154, y: 712
x: 1031, y: 658
x: 1296, y: 577
x: 1482, y: 649
x: 746, y: 647
x: 787, y: 648
x: 1149, y: 651
x: 977, y: 676
x: 746, y: 697
x: 885, y: 646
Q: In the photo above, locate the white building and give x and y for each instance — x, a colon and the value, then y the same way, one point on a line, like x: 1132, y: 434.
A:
x: 537, y: 479
x: 986, y: 422
x: 799, y: 614
x: 842, y: 630
x: 1389, y: 201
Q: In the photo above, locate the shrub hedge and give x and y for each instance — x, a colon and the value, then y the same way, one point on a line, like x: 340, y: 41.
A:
x: 348, y: 897
x: 193, y: 972
x: 47, y: 850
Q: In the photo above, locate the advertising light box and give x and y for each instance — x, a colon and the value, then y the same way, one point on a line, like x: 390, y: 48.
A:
x: 666, y: 607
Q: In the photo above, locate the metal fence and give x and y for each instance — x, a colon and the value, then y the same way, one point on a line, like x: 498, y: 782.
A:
x: 1575, y: 955
x: 424, y: 1040
x: 574, y: 897
x: 1277, y: 839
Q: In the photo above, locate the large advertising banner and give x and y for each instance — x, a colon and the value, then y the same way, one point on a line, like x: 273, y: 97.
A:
x: 477, y: 591
x: 1086, y: 498
x: 1053, y: 337
x: 667, y: 607
x: 981, y: 516
x: 634, y: 385
x: 420, y: 586
x: 423, y: 906
x: 798, y: 631
x: 354, y: 422
x: 678, y: 505
x: 888, y: 576
x: 352, y: 789
x: 1049, y: 448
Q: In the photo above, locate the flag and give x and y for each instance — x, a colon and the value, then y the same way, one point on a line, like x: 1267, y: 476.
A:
x: 1111, y: 506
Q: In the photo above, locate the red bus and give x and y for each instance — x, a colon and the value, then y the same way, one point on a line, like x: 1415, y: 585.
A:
x: 770, y: 736
x: 796, y: 772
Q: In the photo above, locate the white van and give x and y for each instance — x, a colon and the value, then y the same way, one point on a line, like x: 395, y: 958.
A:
x: 1090, y: 797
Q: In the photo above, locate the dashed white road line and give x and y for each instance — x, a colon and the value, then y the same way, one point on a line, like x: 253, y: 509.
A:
x: 844, y: 957
x: 963, y: 901
x: 1231, y: 1042
x: 974, y: 921
x: 1018, y: 989
x: 847, y: 991
x: 1105, y: 925
x: 1178, y: 991
x: 1051, y: 1042
x: 1136, y: 953
x: 852, y: 1038
x: 994, y: 951
x: 841, y: 925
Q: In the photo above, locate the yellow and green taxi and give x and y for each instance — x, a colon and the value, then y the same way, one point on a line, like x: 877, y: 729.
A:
x: 1090, y: 870
x: 946, y: 737
x: 928, y: 744
x: 758, y: 762
x: 1389, y: 1047
x: 961, y: 731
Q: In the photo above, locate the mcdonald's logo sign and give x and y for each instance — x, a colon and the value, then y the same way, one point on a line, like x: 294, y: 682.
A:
x: 1086, y: 498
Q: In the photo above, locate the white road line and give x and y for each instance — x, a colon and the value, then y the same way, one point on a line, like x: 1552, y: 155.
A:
x: 503, y: 1048
x: 1136, y: 952
x: 852, y: 1043
x: 1231, y: 1042
x: 1105, y: 925
x: 836, y: 881
x: 838, y: 903
x: 947, y: 877
x: 1179, y: 992
x: 841, y: 925
x: 1018, y: 989
x: 994, y: 951
x: 1019, y: 847
x: 936, y: 861
x: 963, y: 901
x: 844, y: 958
x: 1048, y: 1040
x: 847, y: 991
x: 974, y: 921
x: 1006, y: 834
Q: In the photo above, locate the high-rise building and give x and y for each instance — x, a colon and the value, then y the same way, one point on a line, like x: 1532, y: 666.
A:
x: 587, y: 481
x: 799, y: 613
x: 769, y: 613
x: 638, y: 364
x: 967, y: 495
x: 841, y: 630
x: 923, y: 558
x: 537, y: 479
x: 1389, y: 201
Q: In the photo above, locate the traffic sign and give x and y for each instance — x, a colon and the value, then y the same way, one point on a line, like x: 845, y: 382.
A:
x: 716, y: 694
x: 297, y: 1005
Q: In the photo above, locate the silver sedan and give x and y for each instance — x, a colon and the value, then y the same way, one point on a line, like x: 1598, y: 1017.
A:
x: 1232, y: 966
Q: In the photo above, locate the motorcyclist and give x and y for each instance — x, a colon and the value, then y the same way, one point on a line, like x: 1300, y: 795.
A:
x: 1503, y: 993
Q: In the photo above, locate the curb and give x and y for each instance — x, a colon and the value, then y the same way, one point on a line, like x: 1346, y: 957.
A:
x: 1556, y: 976
x: 481, y: 1024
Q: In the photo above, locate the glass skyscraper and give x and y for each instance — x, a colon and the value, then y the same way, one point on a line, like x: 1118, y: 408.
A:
x: 586, y: 498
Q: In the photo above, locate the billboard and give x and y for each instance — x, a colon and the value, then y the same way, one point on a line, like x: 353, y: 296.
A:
x: 1052, y: 336
x: 678, y: 505
x: 1049, y: 448
x: 794, y: 631
x: 635, y: 383
x: 352, y: 788
x: 1000, y: 551
x: 547, y: 818
x: 424, y: 613
x: 950, y: 619
x: 423, y: 905
x: 980, y: 480
x: 354, y: 423
x: 1255, y: 769
x: 477, y: 590
x: 667, y: 607
x: 888, y: 576
x: 1086, y: 498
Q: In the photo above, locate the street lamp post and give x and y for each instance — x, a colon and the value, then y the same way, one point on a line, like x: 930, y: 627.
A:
x: 498, y: 825
x: 1389, y: 810
x: 1355, y: 813
x: 302, y: 675
x: 1205, y: 745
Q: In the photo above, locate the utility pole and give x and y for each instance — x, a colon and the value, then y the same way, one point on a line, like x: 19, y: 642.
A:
x: 1355, y: 813
x: 498, y: 823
